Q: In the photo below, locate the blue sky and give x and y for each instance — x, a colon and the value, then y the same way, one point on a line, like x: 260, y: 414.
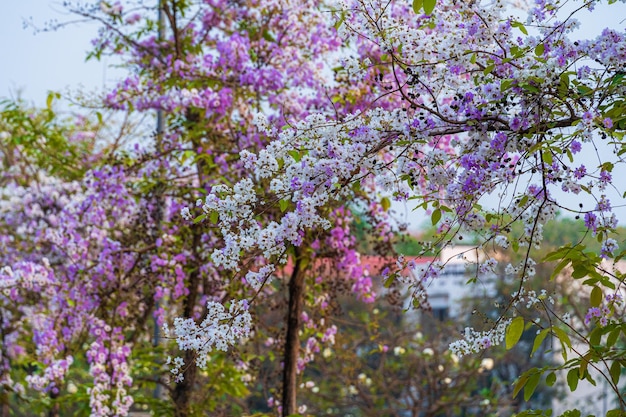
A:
x: 32, y: 63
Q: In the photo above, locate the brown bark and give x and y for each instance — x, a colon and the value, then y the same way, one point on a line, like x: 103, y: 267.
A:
x: 4, y: 370
x: 292, y: 341
x: 4, y: 404
x: 183, y: 390
x: 55, y: 409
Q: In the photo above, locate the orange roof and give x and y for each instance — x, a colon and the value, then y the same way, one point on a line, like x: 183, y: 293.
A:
x: 373, y: 264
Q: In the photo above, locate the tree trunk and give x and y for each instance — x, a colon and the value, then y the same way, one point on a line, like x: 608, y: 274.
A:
x: 55, y: 408
x: 292, y: 342
x: 182, y: 391
x: 4, y: 404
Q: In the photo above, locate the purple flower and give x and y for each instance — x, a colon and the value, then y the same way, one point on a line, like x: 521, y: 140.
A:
x: 591, y: 313
x: 605, y: 177
x: 603, y: 204
x: 575, y: 147
x: 591, y: 221
x: 516, y: 123
x: 580, y: 172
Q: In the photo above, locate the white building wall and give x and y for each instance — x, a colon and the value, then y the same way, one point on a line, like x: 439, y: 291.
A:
x: 452, y: 287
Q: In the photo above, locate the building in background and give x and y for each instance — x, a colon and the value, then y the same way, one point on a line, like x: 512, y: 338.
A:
x: 451, y: 290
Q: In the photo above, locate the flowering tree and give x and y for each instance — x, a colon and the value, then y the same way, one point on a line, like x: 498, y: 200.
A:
x: 115, y: 254
x: 489, y: 106
x: 278, y: 122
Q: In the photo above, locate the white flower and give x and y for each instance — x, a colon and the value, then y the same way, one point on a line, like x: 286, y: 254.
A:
x: 398, y: 350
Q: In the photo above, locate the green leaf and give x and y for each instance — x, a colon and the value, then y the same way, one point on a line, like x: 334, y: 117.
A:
x: 584, y: 363
x: 539, y: 49
x: 385, y: 203
x: 49, y: 100
x: 589, y: 378
x: 550, y: 379
x: 607, y: 166
x: 505, y: 84
x: 520, y: 383
x: 617, y: 78
x: 563, y: 336
x: 283, y: 205
x: 389, y: 280
x: 610, y: 341
x: 214, y: 217
x: 514, y: 332
x: 199, y: 218
x: 596, y: 297
x: 615, y: 372
x: 520, y: 26
x: 539, y: 339
x: 295, y: 155
x: 436, y: 216
x: 547, y: 157
x: 616, y: 413
x: 572, y: 379
x: 563, y: 85
x: 417, y: 5
x: 531, y: 385
x: 579, y: 271
x: 429, y: 6
x: 595, y: 336
x: 522, y: 201
x: 559, y: 268
x: 268, y: 36
x: 564, y: 339
x: 583, y: 90
x: 529, y: 87
x: 339, y: 22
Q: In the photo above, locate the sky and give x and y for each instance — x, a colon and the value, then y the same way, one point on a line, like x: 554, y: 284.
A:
x: 34, y: 63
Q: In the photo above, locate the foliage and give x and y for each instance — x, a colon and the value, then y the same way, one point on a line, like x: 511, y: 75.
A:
x: 46, y: 142
x: 390, y: 364
x: 487, y: 109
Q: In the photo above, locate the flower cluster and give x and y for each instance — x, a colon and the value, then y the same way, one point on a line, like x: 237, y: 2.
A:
x: 220, y: 329
x: 109, y: 367
x: 52, y: 377
x: 603, y: 313
x: 475, y: 342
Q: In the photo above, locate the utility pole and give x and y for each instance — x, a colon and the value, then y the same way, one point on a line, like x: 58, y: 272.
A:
x: 160, y: 125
